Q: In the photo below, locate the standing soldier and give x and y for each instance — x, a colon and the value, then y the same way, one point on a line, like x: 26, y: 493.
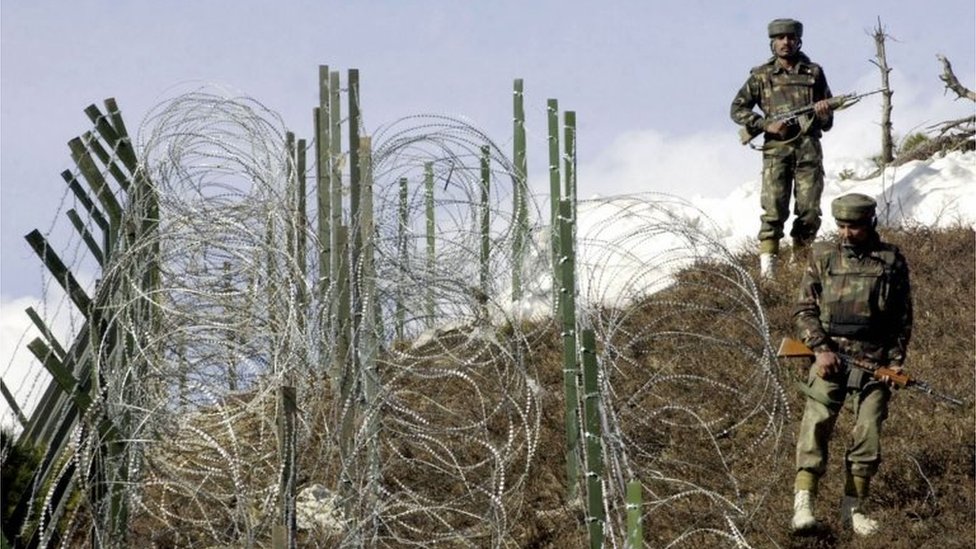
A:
x: 855, y: 300
x: 792, y: 157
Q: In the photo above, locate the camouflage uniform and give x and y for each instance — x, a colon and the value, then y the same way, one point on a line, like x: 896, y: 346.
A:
x: 776, y: 90
x: 856, y: 302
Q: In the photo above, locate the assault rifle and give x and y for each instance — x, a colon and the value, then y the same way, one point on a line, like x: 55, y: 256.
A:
x: 794, y: 348
x: 791, y: 117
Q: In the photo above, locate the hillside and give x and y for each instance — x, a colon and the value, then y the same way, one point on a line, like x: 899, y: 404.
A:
x: 924, y: 494
x: 472, y: 445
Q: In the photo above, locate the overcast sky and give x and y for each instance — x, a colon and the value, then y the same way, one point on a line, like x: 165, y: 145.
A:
x: 651, y: 82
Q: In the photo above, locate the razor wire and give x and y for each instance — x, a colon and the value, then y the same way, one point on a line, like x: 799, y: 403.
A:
x: 239, y: 311
x: 692, y: 406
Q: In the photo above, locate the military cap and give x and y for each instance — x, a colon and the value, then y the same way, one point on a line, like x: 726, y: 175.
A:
x: 785, y: 26
x: 853, y: 207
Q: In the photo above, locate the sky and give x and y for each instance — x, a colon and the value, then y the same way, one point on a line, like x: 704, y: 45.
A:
x: 651, y: 83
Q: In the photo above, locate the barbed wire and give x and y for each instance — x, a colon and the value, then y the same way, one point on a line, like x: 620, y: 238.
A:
x: 694, y: 410
x: 436, y: 434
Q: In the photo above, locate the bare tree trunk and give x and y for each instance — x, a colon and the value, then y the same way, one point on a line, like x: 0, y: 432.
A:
x: 887, y: 148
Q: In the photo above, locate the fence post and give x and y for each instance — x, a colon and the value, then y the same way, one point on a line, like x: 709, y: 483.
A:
x: 596, y: 516
x: 301, y: 225
x: 284, y: 529
x: 635, y: 527
x: 570, y: 158
x: 335, y: 167
x: 552, y: 112
x: 485, y: 217
x: 431, y: 229
x: 93, y: 211
x: 520, y: 209
x: 371, y: 327
x: 567, y: 308
x: 402, y: 232
x: 323, y: 180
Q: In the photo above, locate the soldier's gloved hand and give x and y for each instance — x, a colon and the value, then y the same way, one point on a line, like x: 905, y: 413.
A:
x: 827, y: 363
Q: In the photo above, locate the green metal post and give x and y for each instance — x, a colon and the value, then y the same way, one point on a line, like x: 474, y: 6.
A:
x: 301, y: 225
x: 431, y: 256
x: 343, y: 381
x: 520, y: 191
x: 62, y: 375
x: 12, y: 402
x: 335, y: 153
x: 570, y: 158
x: 46, y: 332
x: 292, y: 200
x: 96, y: 214
x: 287, y: 412
x: 106, y: 159
x: 112, y: 129
x: 402, y: 220
x: 302, y: 221
x: 485, y: 217
x: 635, y: 525
x: 86, y: 236
x: 372, y: 324
x: 323, y: 180
x: 86, y: 165
x: 59, y: 271
x: 567, y: 306
x: 552, y: 111
x: 340, y: 359
x: 354, y: 167
x: 596, y: 516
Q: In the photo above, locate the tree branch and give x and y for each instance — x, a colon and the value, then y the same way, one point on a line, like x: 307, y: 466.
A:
x: 952, y: 82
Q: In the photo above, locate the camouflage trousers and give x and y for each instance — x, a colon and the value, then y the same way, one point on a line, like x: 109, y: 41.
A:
x: 870, y: 407
x: 796, y: 169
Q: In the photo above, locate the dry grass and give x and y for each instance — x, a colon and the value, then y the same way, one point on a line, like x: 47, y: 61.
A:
x: 924, y: 493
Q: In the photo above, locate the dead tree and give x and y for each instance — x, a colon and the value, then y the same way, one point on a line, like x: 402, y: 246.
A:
x: 887, y: 146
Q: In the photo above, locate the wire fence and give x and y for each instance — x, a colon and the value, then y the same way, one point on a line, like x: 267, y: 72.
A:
x: 443, y: 436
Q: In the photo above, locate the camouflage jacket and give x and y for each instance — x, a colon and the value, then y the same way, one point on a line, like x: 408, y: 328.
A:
x: 776, y: 90
x: 856, y: 302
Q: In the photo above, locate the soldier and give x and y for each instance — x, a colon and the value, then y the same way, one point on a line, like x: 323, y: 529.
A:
x: 855, y: 300
x: 792, y: 157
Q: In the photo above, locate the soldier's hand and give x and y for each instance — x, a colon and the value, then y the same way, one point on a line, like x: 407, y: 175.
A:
x: 777, y: 128
x: 827, y: 363
x: 897, y: 369
x: 822, y: 108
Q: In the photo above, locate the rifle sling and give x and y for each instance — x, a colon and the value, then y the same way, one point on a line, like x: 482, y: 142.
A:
x: 818, y: 396
x: 804, y: 122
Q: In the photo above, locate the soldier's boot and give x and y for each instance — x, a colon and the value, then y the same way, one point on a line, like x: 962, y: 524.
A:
x: 767, y: 266
x: 856, y: 490
x: 768, y: 251
x: 852, y: 514
x: 803, y: 519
